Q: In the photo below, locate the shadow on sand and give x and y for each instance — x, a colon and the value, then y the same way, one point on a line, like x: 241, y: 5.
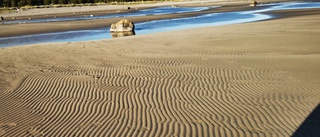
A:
x: 311, y: 125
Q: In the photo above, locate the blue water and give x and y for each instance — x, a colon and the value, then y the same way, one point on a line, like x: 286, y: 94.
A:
x: 214, y: 19
x: 146, y: 12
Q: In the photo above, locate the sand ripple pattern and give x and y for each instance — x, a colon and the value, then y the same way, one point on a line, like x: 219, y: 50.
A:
x: 162, y: 98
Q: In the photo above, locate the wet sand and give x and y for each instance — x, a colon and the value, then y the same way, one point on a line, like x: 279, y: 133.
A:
x: 252, y: 79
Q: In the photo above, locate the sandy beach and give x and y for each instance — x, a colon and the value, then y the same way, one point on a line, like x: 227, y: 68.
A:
x: 252, y: 79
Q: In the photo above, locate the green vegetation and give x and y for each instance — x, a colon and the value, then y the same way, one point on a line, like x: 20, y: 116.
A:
x: 21, y: 3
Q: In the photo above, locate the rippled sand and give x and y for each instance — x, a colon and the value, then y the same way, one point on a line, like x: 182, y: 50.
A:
x: 253, y: 79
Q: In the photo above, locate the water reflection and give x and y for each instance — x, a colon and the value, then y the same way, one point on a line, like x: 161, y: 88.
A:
x: 122, y: 34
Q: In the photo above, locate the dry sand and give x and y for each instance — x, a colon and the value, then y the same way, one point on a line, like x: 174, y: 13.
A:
x: 253, y: 79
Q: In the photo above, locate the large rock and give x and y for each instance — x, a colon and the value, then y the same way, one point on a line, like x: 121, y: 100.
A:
x: 122, y: 26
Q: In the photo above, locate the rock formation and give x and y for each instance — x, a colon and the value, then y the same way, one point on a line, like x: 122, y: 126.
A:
x: 122, y: 26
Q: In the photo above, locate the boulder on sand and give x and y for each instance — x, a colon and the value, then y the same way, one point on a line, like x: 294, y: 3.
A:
x: 123, y: 25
